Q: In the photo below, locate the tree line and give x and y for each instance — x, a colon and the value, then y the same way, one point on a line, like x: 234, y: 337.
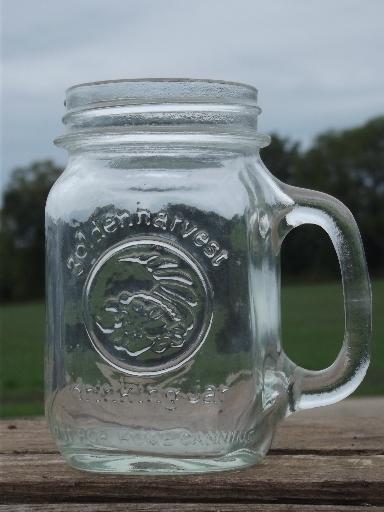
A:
x: 347, y: 164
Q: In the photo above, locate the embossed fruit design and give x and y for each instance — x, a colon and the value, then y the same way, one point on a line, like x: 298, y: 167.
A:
x: 156, y: 312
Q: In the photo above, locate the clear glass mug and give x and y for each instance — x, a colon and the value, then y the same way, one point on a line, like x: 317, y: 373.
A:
x: 164, y: 235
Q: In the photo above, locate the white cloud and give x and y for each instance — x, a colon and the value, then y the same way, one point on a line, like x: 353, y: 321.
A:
x: 317, y: 65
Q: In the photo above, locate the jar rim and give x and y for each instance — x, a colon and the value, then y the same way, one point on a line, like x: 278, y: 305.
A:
x: 175, y: 90
x: 159, y: 79
x: 156, y: 110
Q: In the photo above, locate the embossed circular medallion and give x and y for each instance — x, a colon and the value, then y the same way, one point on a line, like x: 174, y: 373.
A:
x: 147, y: 306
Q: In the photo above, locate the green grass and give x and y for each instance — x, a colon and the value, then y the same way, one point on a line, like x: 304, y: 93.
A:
x: 313, y: 327
x: 22, y: 342
x: 312, y: 333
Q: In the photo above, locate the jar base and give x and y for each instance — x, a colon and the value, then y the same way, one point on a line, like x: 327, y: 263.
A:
x: 123, y: 463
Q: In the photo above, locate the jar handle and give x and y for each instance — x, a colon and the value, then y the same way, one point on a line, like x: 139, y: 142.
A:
x: 316, y: 388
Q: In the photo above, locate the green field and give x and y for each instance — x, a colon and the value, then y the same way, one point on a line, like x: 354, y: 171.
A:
x: 312, y: 333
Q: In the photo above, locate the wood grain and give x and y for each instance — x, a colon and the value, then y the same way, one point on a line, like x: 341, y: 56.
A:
x: 322, y: 460
x: 298, y: 478
x: 187, y: 507
x: 355, y: 425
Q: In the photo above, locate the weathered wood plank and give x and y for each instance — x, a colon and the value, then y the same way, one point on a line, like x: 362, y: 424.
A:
x: 355, y: 425
x: 26, y: 436
x: 303, y: 479
x: 304, y: 471
x: 187, y: 507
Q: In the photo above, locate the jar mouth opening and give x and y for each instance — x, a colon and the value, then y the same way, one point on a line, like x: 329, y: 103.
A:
x: 159, y: 90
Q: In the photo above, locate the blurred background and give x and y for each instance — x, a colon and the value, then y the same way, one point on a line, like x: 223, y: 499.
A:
x: 319, y: 70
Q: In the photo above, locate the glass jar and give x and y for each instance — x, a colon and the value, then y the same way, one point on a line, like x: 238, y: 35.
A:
x: 164, y: 234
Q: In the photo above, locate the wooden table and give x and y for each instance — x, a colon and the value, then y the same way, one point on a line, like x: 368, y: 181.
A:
x: 327, y: 459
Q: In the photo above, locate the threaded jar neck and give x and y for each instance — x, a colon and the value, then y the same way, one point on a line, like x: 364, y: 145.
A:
x: 160, y: 111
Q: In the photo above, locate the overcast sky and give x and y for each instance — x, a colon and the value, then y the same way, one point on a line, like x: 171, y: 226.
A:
x: 317, y: 64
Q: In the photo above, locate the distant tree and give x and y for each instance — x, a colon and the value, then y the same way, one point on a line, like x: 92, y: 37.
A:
x: 281, y: 157
x: 22, y: 230
x: 306, y: 253
x: 350, y: 165
x: 347, y: 164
